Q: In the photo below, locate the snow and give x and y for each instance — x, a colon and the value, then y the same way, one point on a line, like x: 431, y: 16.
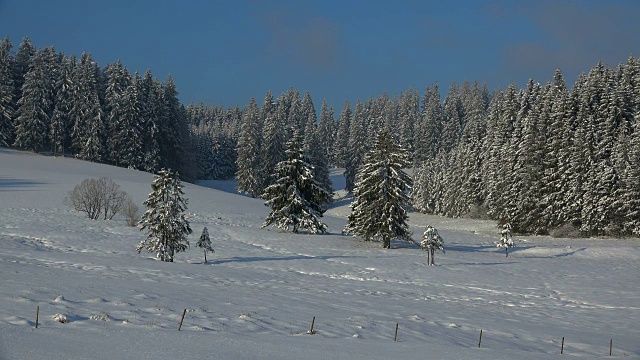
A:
x: 258, y: 293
